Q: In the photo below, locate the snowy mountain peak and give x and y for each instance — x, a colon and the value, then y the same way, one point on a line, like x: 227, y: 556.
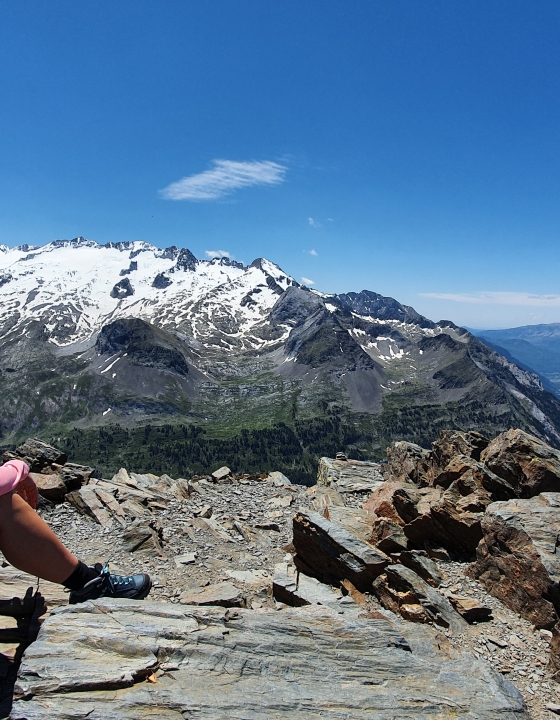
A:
x: 74, y: 287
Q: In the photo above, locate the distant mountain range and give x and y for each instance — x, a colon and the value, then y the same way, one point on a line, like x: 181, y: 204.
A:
x: 534, y: 347
x: 239, y: 363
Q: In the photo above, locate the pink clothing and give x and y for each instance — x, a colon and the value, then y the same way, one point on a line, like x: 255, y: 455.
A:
x: 11, y: 474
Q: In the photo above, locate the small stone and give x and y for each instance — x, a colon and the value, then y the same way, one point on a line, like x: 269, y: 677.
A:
x: 186, y: 559
x: 221, y: 474
x: 496, y: 641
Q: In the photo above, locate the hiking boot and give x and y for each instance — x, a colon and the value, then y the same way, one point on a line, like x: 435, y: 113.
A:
x: 133, y: 587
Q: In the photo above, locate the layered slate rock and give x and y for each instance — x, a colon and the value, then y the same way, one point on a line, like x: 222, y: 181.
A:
x: 518, y: 561
x: 91, y: 660
x: 330, y: 552
x: 527, y: 463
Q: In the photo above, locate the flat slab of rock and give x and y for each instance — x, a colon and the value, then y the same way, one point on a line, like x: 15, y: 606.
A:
x: 349, y: 475
x: 469, y: 608
x: 296, y: 589
x: 517, y: 559
x: 223, y: 593
x: 91, y: 660
x: 330, y: 552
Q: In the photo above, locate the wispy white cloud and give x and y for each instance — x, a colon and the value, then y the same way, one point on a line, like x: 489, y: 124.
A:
x: 307, y: 281
x: 314, y: 223
x: 217, y: 254
x: 223, y: 178
x: 313, y: 252
x: 498, y: 298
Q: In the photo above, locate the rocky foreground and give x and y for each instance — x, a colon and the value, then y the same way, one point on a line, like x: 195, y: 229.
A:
x: 427, y: 586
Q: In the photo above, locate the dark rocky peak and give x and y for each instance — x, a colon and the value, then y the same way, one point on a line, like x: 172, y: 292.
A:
x: 144, y: 344
x: 131, y: 268
x: 122, y: 289
x: 227, y: 262
x: 120, y: 246
x: 259, y: 264
x: 185, y: 260
x: 380, y: 307
x: 294, y: 306
x: 322, y: 341
x: 169, y: 253
x: 161, y: 281
x: 273, y: 274
x: 26, y: 248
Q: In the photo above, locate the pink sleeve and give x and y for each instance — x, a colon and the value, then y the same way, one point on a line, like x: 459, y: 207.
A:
x: 11, y: 473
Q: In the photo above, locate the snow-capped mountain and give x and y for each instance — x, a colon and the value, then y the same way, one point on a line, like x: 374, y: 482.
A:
x: 130, y: 333
x: 76, y: 287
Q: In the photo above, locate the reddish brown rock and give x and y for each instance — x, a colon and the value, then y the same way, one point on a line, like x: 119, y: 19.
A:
x: 50, y: 486
x: 404, y: 462
x: 407, y: 462
x: 469, y: 608
x: 528, y: 464
x: 450, y: 444
x: 517, y: 559
x: 388, y: 536
x: 394, y: 501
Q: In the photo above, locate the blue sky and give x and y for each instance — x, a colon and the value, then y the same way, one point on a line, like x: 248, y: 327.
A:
x: 405, y: 147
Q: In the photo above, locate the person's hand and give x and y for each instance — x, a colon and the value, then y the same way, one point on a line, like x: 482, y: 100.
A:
x: 28, y: 491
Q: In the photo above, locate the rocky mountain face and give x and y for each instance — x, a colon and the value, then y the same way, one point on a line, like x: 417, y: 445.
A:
x: 423, y: 586
x: 233, y: 361
x: 535, y: 347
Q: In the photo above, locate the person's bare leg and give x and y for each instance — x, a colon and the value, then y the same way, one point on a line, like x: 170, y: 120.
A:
x: 29, y: 544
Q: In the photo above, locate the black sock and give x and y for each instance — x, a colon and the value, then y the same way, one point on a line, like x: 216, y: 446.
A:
x: 81, y: 575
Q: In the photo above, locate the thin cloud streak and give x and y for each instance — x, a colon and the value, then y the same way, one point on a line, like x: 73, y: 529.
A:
x: 498, y: 298
x: 224, y: 178
x: 313, y: 252
x: 217, y: 254
x: 307, y: 281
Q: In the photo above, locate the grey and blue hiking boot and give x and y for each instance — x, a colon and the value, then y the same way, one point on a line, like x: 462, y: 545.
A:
x: 133, y: 587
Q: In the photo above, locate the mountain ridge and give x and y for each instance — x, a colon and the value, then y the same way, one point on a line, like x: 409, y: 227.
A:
x: 131, y: 334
